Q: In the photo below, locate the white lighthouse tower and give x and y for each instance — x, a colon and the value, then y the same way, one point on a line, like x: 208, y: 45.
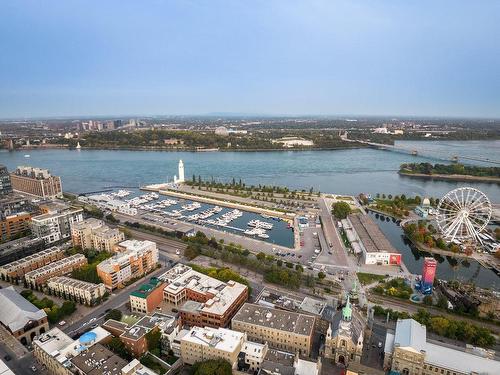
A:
x: 181, y: 174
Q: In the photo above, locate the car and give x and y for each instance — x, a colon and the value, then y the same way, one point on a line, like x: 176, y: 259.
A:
x: 62, y: 322
x: 330, y: 252
x: 379, y: 344
x: 94, y: 325
x: 177, y: 252
x: 92, y: 320
x: 7, y: 358
x: 33, y: 368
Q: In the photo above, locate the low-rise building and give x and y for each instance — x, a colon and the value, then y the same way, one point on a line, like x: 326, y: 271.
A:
x: 98, y: 360
x: 202, y: 344
x: 40, y: 276
x: 20, y: 317
x: 76, y: 290
x: 134, y: 259
x: 136, y: 368
x: 62, y: 355
x: 251, y: 356
x: 202, y: 300
x: 147, y: 297
x: 94, y: 234
x: 36, y: 182
x: 372, y: 243
x: 277, y: 362
x: 17, y: 269
x: 408, y: 351
x: 134, y: 337
x: 282, y: 330
x: 55, y: 225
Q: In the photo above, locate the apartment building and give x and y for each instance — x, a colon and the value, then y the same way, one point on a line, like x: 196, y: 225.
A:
x: 20, y: 317
x: 94, y: 234
x: 17, y: 269
x: 284, y: 330
x: 202, y: 300
x: 202, y: 344
x: 36, y: 182
x: 76, y: 290
x: 105, y: 238
x: 5, y: 184
x: 55, y: 225
x: 134, y: 336
x: 147, y: 297
x: 134, y: 259
x: 15, y: 225
x: 40, y: 276
x: 81, y: 232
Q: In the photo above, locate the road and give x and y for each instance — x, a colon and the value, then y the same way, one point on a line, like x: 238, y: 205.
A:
x: 117, y: 299
x: 338, y: 258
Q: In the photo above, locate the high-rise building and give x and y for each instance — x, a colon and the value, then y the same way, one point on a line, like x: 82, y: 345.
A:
x: 428, y: 274
x: 5, y: 183
x: 36, y: 182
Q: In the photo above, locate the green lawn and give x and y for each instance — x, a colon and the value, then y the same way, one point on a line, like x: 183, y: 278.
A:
x: 368, y: 278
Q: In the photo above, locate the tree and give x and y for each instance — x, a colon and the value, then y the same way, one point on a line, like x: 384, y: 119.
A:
x: 212, y: 367
x: 118, y: 347
x: 153, y: 338
x: 428, y: 300
x: 321, y: 275
x: 113, y: 314
x: 341, y: 210
x: 261, y: 256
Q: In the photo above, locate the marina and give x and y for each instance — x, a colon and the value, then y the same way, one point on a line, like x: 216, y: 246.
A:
x: 160, y: 208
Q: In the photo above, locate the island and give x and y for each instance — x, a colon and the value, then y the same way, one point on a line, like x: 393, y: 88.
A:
x: 454, y: 172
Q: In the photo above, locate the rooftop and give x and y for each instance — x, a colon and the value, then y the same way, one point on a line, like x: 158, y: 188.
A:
x: 99, y: 360
x: 74, y: 283
x: 278, y: 319
x: 370, y: 234
x: 146, y: 289
x: 220, y: 338
x: 224, y: 294
x: 55, y: 265
x: 16, y: 311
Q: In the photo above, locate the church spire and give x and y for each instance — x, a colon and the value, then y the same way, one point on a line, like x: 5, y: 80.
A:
x: 347, y: 310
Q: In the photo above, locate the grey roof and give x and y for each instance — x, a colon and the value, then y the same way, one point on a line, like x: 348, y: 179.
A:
x: 460, y: 361
x: 410, y: 334
x: 354, y: 329
x: 16, y: 311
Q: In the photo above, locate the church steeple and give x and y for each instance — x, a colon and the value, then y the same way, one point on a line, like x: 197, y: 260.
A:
x: 347, y: 311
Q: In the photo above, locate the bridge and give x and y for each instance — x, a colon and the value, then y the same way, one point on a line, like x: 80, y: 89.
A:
x: 421, y: 151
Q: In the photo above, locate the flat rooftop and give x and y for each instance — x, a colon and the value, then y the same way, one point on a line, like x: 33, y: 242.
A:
x: 220, y: 338
x: 99, y: 360
x: 370, y: 234
x: 183, y: 277
x: 278, y: 319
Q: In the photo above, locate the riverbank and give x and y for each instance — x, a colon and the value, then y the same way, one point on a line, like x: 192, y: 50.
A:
x: 196, y: 149
x: 452, y: 177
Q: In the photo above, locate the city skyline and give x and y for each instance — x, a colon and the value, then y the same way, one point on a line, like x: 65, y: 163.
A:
x: 265, y: 59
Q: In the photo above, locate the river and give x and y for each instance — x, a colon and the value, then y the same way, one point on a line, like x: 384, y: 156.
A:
x: 338, y: 171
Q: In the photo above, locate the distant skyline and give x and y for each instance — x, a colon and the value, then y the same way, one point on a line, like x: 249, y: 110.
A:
x: 182, y: 57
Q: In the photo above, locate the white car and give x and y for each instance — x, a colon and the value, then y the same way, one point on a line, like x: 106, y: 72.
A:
x: 177, y: 252
x: 62, y: 322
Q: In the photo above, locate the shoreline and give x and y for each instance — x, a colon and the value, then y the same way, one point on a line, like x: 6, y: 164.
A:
x: 153, y: 148
x: 452, y: 177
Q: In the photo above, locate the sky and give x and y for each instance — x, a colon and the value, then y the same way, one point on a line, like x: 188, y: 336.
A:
x: 186, y: 57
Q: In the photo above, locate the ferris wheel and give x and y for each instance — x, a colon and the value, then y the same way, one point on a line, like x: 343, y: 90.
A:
x: 463, y: 213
